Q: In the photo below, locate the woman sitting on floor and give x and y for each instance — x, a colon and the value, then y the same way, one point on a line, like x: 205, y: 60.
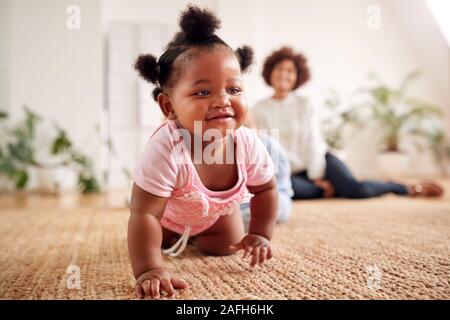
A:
x: 316, y: 173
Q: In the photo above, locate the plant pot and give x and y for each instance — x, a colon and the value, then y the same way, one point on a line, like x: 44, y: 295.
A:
x: 6, y: 185
x: 56, y: 180
x: 393, y: 164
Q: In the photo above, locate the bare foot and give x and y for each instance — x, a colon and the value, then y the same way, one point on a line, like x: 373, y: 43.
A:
x: 425, y: 189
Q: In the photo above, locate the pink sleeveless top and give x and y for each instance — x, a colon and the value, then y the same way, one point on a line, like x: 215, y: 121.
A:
x: 192, y: 208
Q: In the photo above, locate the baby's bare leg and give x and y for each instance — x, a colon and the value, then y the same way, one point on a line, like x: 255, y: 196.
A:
x: 227, y: 231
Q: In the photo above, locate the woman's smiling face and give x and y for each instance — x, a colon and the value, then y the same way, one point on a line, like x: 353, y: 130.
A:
x: 284, y: 76
x: 210, y: 90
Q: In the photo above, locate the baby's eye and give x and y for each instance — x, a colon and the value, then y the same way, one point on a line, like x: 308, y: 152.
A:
x: 203, y: 93
x: 234, y: 90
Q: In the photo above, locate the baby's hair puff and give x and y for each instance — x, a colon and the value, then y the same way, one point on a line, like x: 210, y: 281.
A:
x: 198, y: 28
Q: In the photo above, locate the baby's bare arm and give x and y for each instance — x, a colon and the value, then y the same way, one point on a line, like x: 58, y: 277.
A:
x: 263, y: 209
x: 144, y: 245
x: 144, y: 231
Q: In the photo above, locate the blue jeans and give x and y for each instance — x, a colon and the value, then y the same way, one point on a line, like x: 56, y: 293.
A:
x: 282, y: 175
x: 284, y: 209
x: 344, y: 183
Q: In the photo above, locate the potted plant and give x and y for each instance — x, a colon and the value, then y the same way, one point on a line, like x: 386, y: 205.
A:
x: 434, y: 138
x: 18, y: 158
x: 336, y: 122
x: 440, y: 146
x: 398, y: 116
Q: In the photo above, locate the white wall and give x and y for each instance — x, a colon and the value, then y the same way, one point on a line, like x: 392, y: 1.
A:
x: 340, y: 47
x: 4, y: 54
x: 54, y: 70
x: 59, y: 72
x: 130, y: 29
x: 429, y: 45
x: 341, y: 50
x: 144, y: 11
x: 433, y: 56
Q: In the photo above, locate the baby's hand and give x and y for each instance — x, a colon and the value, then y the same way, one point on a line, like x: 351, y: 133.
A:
x: 151, y: 283
x: 256, y: 246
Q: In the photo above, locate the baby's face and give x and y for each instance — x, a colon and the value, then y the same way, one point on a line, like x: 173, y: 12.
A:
x: 210, y: 90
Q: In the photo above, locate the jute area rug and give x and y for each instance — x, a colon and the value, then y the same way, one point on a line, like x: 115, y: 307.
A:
x: 383, y: 248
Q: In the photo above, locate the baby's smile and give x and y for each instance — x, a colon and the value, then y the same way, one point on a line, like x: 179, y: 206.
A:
x: 220, y: 116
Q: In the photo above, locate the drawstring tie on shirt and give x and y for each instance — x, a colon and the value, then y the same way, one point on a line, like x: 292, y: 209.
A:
x: 180, y: 245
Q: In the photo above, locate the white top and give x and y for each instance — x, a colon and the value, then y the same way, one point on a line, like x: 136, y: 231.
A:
x: 299, y: 132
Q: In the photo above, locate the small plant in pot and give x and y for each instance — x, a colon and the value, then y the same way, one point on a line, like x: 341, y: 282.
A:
x: 435, y: 139
x: 337, y: 122
x: 440, y: 146
x: 18, y: 159
x: 399, y: 116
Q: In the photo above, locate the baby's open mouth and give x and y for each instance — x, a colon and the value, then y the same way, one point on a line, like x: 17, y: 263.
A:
x: 219, y: 116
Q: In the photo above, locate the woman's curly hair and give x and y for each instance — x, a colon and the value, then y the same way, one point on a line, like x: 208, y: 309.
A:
x: 287, y: 53
x: 198, y: 28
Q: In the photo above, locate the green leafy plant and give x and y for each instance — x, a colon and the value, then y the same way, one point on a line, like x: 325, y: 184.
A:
x: 337, y: 120
x: 440, y: 146
x: 17, y: 153
x: 63, y: 146
x: 434, y: 138
x: 114, y: 154
x: 398, y: 114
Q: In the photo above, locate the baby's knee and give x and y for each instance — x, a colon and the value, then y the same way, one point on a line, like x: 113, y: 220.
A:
x: 216, y: 250
x: 216, y: 245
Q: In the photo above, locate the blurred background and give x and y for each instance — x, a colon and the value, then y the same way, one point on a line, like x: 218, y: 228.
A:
x: 75, y: 115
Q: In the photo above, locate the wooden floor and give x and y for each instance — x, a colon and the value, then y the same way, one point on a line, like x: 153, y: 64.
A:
x: 116, y: 199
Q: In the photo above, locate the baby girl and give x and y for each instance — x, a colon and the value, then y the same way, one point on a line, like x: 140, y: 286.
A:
x: 196, y: 192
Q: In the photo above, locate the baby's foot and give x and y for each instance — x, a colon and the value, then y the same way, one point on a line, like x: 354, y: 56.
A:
x: 425, y: 189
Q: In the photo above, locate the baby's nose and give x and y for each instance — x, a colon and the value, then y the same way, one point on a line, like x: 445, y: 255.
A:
x: 221, y: 100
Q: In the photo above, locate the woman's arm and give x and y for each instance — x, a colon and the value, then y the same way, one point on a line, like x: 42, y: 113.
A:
x: 317, y: 147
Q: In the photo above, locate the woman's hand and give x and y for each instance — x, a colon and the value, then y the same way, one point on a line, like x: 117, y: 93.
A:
x: 326, y: 186
x: 256, y: 246
x: 150, y: 284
